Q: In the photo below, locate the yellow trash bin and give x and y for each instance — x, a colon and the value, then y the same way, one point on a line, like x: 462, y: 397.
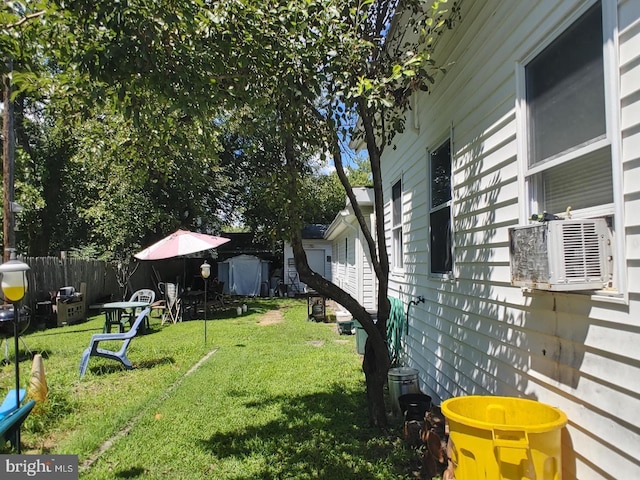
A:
x: 504, y: 438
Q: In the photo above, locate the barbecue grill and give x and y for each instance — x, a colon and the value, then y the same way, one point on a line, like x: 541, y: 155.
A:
x: 6, y: 321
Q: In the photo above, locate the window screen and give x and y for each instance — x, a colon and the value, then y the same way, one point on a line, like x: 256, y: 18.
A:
x: 565, y: 90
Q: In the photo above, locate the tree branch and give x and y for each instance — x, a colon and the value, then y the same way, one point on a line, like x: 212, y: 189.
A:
x: 25, y: 19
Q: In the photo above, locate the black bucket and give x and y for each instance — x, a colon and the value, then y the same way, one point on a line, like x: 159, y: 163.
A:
x: 414, y: 406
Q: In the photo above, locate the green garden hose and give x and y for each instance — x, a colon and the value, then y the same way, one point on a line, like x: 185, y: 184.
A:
x: 397, y: 324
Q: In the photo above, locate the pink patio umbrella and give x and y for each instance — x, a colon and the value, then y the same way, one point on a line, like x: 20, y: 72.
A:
x: 180, y: 242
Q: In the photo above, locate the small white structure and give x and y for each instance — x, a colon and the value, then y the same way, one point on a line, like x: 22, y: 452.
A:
x: 319, y: 254
x: 351, y: 267
x: 244, y: 275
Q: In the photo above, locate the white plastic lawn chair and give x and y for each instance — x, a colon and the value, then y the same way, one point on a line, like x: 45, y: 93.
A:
x: 145, y: 295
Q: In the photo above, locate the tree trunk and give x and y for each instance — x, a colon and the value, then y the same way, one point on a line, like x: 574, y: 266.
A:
x: 375, y: 367
x: 376, y: 359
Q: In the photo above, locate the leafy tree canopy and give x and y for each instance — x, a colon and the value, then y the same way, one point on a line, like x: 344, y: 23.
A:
x: 293, y: 76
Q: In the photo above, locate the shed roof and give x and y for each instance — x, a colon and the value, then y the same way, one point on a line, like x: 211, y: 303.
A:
x: 314, y: 231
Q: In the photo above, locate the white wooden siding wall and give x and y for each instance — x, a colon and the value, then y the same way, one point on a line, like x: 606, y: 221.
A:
x: 369, y: 300
x: 344, y: 267
x: 338, y: 264
x: 354, y: 272
x: 477, y: 334
x: 621, y: 333
x: 368, y: 292
x: 352, y: 284
x: 628, y: 14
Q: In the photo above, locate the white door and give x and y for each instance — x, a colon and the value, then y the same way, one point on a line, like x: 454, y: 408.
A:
x: 316, y: 259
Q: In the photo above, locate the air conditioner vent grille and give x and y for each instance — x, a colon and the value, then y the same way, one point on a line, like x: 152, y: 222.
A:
x: 581, y: 250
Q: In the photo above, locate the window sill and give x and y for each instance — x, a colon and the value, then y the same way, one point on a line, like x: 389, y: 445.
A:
x: 603, y: 296
x: 443, y: 277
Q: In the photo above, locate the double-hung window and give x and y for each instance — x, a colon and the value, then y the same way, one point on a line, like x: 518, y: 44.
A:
x: 569, y: 153
x: 567, y: 108
x: 440, y: 210
x: 397, y: 250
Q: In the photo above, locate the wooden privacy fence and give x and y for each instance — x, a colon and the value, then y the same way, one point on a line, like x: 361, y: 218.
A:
x: 49, y: 274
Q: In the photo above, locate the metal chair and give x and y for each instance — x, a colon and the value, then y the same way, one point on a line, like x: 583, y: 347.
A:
x: 218, y: 295
x: 172, y: 305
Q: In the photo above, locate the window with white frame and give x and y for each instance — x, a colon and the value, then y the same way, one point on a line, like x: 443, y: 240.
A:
x: 569, y: 152
x: 569, y: 98
x: 440, y: 210
x: 346, y: 250
x: 397, y: 250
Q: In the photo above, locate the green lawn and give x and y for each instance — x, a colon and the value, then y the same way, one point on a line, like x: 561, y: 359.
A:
x: 269, y: 396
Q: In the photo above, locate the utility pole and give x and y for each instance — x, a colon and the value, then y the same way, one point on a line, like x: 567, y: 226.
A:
x: 8, y: 162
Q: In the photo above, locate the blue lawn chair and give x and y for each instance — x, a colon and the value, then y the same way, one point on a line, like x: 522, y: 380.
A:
x: 10, y: 425
x: 93, y: 349
x: 9, y: 402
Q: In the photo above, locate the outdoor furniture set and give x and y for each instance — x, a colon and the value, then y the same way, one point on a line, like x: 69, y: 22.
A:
x: 179, y: 243
x: 94, y: 350
x: 119, y: 314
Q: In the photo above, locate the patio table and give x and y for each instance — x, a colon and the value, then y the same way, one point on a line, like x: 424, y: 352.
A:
x: 113, y: 314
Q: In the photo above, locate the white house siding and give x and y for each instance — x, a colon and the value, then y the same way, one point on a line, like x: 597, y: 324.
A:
x: 351, y: 267
x: 367, y: 277
x: 476, y: 334
x: 339, y: 262
x: 344, y: 266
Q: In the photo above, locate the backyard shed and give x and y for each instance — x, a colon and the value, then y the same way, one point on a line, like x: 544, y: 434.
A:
x: 245, y: 275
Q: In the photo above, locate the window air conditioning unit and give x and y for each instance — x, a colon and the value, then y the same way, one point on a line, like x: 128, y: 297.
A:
x: 560, y: 255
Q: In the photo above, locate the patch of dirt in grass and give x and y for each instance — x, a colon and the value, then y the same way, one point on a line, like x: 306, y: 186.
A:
x: 271, y: 318
x: 44, y: 445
